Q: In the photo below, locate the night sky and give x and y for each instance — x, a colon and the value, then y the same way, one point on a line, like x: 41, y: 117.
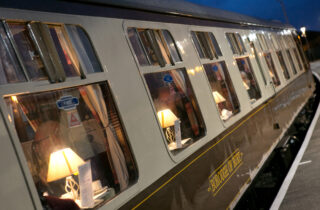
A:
x: 300, y: 12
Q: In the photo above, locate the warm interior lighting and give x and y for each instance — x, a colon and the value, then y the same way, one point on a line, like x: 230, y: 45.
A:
x: 166, y: 118
x: 63, y: 163
x: 246, y: 86
x: 218, y: 98
x: 14, y: 99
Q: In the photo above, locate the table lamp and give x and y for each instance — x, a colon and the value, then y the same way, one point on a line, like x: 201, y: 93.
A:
x: 167, y: 119
x: 218, y: 98
x: 64, y: 163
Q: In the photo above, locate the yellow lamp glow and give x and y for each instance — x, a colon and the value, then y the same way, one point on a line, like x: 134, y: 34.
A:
x: 218, y: 98
x: 166, y: 118
x: 63, y: 163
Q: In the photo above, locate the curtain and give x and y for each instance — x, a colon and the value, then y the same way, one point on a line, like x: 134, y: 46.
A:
x: 180, y: 83
x: 93, y: 97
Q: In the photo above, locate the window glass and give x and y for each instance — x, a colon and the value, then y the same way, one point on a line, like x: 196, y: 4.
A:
x: 10, y: 70
x: 148, y: 47
x: 293, y: 67
x: 275, y: 42
x: 240, y: 43
x: 248, y: 78
x: 272, y: 70
x: 171, y: 46
x: 236, y: 43
x: 215, y: 44
x: 262, y: 42
x: 197, y: 44
x: 257, y: 58
x: 84, y: 49
x: 27, y: 50
x: 206, y: 44
x: 61, y: 130
x: 283, y: 65
x: 137, y: 47
x: 233, y: 43
x: 154, y: 47
x: 65, y: 51
x: 222, y: 89
x: 298, y: 59
x: 175, y: 103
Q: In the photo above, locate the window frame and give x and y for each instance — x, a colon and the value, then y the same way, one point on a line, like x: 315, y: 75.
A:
x: 145, y: 69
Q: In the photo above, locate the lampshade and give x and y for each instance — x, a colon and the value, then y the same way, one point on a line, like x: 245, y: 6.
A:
x: 166, y: 118
x: 63, y: 163
x: 246, y: 86
x: 218, y: 98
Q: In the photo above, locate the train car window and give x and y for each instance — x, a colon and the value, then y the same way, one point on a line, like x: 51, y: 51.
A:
x: 298, y: 59
x: 283, y: 65
x: 137, y: 47
x: 65, y: 51
x: 222, y: 88
x: 27, y: 51
x: 154, y: 47
x: 291, y: 62
x: 70, y: 134
x: 84, y: 49
x: 10, y: 70
x: 206, y: 44
x: 300, y: 50
x: 262, y: 42
x: 272, y: 70
x: 236, y: 43
x: 266, y: 45
x: 275, y: 42
x: 176, y: 107
x: 248, y: 79
x: 171, y: 46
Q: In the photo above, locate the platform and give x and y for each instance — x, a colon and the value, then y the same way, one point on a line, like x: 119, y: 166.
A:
x: 301, y: 188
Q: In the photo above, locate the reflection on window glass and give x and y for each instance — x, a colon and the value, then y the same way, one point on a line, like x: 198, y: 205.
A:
x: 137, y: 47
x: 293, y: 67
x: 28, y: 52
x: 248, y: 79
x: 65, y: 51
x: 222, y: 89
x: 61, y: 130
x: 272, y: 71
x: 283, y: 65
x: 154, y: 47
x: 206, y: 44
x: 262, y: 42
x: 10, y: 70
x: 236, y: 43
x: 176, y: 107
x: 298, y: 59
x: 171, y: 46
x: 84, y: 49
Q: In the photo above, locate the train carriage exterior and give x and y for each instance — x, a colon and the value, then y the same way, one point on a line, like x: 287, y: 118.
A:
x: 141, y: 105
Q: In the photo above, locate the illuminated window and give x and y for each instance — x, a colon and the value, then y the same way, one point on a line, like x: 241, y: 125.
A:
x: 176, y: 107
x: 248, y: 79
x: 61, y: 130
x: 222, y: 89
x: 154, y: 47
x: 206, y: 44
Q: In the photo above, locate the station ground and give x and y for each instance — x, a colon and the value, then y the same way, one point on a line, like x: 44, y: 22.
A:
x: 301, y: 188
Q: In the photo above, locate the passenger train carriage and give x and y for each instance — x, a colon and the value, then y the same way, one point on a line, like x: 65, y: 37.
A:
x: 141, y: 105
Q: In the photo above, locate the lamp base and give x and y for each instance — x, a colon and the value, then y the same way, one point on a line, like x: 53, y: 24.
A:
x: 170, y: 135
x: 72, y: 187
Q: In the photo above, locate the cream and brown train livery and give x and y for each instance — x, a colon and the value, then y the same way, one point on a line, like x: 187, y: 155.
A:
x: 140, y: 104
